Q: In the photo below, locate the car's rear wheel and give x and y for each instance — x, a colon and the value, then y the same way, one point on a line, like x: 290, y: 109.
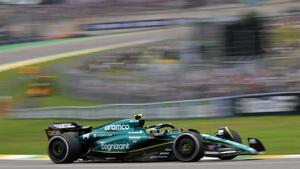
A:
x: 63, y: 149
x: 233, y: 136
x: 187, y: 147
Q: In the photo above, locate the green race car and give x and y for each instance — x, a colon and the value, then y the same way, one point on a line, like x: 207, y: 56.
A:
x: 129, y: 140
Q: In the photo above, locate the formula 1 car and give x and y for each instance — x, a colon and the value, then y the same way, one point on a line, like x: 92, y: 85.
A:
x: 128, y: 140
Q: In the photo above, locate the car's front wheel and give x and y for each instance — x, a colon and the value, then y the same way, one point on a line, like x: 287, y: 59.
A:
x: 63, y: 149
x: 187, y: 147
x: 232, y: 135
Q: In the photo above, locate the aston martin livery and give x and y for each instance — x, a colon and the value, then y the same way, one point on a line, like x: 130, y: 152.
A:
x: 128, y: 140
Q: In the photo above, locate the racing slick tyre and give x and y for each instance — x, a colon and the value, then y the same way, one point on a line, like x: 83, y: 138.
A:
x: 187, y: 147
x: 63, y: 149
x: 233, y: 136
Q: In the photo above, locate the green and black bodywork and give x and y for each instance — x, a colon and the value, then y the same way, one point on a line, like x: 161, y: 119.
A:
x: 129, y: 140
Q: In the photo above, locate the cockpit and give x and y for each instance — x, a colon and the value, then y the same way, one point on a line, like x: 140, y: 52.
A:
x: 160, y: 129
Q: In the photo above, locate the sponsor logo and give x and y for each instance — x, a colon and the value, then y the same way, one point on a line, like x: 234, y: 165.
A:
x: 63, y: 125
x: 135, y: 132
x: 268, y: 104
x: 104, y: 135
x: 134, y: 137
x: 117, y: 127
x: 114, y: 146
x: 95, y: 135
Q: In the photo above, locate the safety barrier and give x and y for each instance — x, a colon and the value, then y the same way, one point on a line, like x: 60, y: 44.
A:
x: 251, y: 104
x: 135, y: 24
x: 172, y: 109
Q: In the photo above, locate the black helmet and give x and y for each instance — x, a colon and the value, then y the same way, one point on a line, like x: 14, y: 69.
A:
x: 139, y: 117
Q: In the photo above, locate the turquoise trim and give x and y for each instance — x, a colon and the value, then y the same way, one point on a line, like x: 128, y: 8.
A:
x: 230, y: 143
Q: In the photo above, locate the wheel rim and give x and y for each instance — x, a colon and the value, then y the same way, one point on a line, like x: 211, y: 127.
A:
x: 57, y: 150
x: 186, y: 148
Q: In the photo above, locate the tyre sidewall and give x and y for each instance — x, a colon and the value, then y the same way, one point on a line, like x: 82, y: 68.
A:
x: 51, y: 141
x: 72, y: 148
x: 198, y: 146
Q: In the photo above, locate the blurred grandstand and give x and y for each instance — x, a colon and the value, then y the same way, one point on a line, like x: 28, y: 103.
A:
x: 222, y: 56
x: 33, y: 20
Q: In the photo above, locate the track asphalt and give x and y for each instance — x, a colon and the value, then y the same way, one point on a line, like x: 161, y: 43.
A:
x: 207, y: 164
x: 38, y: 54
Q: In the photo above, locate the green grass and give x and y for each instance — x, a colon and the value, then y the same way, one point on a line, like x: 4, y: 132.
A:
x: 280, y: 134
x: 10, y: 47
x: 64, y: 100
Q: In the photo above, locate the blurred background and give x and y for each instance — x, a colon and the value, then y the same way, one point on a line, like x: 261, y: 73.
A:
x: 234, y: 60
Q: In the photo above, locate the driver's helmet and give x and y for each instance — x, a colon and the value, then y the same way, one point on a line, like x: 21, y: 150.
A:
x: 139, y: 117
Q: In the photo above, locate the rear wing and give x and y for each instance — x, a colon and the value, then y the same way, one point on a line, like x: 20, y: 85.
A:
x: 66, y: 127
